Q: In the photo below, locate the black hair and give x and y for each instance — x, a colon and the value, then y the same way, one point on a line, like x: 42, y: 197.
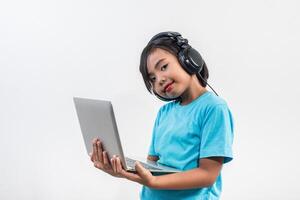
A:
x: 171, y: 46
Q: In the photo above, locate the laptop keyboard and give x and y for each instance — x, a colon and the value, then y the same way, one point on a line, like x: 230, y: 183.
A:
x: 130, y: 162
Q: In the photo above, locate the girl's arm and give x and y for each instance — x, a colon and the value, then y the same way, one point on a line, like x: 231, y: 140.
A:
x: 203, y: 176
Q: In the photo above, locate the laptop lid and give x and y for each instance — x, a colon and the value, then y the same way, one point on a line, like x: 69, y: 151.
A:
x: 97, y: 120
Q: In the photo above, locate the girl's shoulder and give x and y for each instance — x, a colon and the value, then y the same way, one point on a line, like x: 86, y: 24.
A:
x: 213, y: 100
x: 213, y: 103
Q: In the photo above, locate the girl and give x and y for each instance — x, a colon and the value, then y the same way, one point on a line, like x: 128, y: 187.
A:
x: 193, y: 132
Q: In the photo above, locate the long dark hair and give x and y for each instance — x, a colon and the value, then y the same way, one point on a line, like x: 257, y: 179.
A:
x: 170, y: 46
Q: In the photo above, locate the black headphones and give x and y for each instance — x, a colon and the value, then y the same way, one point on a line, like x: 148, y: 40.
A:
x: 189, y: 58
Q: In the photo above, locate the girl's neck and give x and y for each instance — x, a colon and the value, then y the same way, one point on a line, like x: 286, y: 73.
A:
x: 189, y: 99
x: 193, y: 92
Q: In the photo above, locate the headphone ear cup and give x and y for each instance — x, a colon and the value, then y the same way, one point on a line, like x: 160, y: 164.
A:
x: 195, y: 59
x: 184, y: 61
x: 191, y: 60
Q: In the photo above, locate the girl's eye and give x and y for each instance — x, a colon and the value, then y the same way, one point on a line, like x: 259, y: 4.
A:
x: 164, y: 67
x: 152, y: 79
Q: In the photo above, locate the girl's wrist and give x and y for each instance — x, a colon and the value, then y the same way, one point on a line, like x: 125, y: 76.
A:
x: 154, y: 182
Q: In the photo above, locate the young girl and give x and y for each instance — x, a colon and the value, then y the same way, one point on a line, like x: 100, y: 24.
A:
x: 193, y: 132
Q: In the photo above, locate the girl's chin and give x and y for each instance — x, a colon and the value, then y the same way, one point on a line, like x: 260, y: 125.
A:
x: 170, y: 96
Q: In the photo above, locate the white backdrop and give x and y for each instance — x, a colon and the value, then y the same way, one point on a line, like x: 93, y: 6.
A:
x: 53, y: 50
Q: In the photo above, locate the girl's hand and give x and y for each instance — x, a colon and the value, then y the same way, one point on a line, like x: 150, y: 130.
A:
x: 100, y: 158
x: 143, y: 175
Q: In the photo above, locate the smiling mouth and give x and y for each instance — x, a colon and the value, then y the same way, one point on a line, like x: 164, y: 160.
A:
x: 168, y: 87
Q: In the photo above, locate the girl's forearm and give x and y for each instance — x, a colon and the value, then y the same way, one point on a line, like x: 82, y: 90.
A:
x: 195, y: 178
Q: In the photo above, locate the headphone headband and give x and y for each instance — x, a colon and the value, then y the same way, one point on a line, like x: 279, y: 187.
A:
x: 175, y: 36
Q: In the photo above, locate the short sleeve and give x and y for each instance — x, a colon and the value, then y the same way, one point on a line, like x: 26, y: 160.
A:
x: 152, y: 151
x: 217, y: 133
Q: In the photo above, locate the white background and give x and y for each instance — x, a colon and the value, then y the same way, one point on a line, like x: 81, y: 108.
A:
x: 53, y: 50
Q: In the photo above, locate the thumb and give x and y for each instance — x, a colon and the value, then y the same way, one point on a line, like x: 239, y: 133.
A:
x: 143, y: 172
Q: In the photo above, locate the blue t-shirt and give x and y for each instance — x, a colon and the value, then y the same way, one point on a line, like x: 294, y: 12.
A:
x: 183, y: 134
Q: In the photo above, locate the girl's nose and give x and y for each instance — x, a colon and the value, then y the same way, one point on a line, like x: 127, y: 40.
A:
x: 162, y: 81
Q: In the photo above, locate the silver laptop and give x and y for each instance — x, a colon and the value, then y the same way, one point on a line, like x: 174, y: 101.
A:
x: 97, y: 120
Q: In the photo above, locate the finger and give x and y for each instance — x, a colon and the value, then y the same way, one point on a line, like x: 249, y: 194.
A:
x: 100, y: 150
x: 113, y: 163
x: 124, y: 173
x: 95, y: 151
x: 119, y: 165
x: 105, y: 161
x: 143, y: 172
x: 93, y: 156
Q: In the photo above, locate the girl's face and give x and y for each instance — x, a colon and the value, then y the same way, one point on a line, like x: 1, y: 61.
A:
x: 168, y: 78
